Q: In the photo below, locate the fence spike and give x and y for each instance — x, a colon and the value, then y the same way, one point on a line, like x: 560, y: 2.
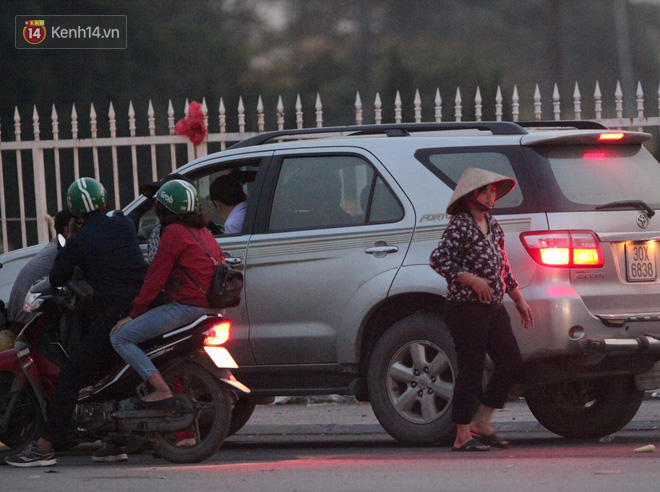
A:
x: 556, y: 103
x: 170, y: 116
x: 186, y: 107
x: 477, y: 105
x: 640, y: 101
x: 618, y: 97
x: 537, y: 103
x: 35, y: 123
x: 438, y: 105
x: 418, y: 107
x: 222, y: 116
x: 515, y: 104
x: 92, y: 120
x: 498, y: 104
x: 577, y: 102
x: 151, y: 117
x: 241, y: 115
x: 598, y: 102
x: 113, y: 121
x: 319, y: 111
x: 458, y: 107
x: 205, y: 112
x: 378, y: 109
x: 397, y: 108
x: 17, y: 124
x: 299, y: 113
x: 260, y: 115
x: 280, y: 113
x: 358, y: 109
x: 74, y: 123
x: 131, y: 120
x: 55, y: 124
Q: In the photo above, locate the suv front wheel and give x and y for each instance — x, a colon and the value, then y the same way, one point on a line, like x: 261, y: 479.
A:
x: 411, y: 378
x: 590, y: 408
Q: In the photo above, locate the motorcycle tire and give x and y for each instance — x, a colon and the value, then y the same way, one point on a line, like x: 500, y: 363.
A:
x: 214, y: 405
x: 25, y: 421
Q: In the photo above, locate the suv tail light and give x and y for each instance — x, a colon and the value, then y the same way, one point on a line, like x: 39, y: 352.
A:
x: 564, y: 249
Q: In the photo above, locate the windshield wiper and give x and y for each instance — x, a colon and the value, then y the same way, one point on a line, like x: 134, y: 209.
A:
x: 629, y: 203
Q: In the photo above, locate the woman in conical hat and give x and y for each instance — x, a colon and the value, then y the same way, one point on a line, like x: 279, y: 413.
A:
x: 472, y: 258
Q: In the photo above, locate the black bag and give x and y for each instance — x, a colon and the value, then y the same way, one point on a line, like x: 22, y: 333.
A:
x: 226, y: 283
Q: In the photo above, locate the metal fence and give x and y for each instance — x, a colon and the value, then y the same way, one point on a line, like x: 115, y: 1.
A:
x: 37, y: 171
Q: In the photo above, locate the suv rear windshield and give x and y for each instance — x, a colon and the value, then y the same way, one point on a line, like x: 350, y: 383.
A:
x: 583, y: 177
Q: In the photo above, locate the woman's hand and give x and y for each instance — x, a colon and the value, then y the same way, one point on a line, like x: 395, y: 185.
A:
x: 526, y: 316
x: 120, y: 323
x: 479, y: 285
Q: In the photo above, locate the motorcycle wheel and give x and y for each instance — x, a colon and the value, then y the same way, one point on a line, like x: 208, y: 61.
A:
x: 26, y: 418
x: 214, y: 405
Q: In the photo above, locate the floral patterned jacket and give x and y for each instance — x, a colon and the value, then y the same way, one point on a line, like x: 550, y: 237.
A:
x: 465, y: 248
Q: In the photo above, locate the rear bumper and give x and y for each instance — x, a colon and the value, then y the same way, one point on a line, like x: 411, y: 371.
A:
x: 645, y: 344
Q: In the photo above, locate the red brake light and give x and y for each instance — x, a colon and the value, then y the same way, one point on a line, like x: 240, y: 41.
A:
x: 611, y: 136
x: 218, y: 334
x: 564, y: 249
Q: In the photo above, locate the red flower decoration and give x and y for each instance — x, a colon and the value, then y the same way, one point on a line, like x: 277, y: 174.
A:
x: 192, y: 126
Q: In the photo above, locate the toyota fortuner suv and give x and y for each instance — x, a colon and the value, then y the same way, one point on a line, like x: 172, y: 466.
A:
x: 339, y: 297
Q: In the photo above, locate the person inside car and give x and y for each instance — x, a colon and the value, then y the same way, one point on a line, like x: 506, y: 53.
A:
x: 471, y: 256
x: 183, y: 269
x: 107, y: 251
x: 230, y: 201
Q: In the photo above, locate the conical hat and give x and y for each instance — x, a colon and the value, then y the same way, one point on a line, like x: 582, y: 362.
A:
x: 474, y: 178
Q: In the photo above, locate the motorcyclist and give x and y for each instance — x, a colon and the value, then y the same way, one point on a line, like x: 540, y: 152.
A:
x: 107, y: 251
x: 182, y: 268
x: 37, y: 268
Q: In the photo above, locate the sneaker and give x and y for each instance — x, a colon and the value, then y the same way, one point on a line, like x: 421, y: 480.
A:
x: 31, y: 456
x: 110, y: 453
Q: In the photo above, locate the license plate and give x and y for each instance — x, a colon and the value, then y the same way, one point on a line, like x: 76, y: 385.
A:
x: 640, y: 262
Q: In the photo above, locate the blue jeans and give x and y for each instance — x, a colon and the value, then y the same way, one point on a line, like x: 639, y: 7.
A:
x: 149, y: 325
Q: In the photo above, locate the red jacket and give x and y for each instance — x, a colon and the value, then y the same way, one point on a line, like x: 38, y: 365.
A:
x: 177, y: 245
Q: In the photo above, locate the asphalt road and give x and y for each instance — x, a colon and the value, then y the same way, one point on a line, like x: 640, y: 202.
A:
x: 341, y: 447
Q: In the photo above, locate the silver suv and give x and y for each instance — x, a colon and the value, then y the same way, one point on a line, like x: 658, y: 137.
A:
x: 339, y: 297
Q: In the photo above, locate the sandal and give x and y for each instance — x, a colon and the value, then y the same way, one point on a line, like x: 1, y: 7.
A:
x: 472, y: 446
x: 492, y: 440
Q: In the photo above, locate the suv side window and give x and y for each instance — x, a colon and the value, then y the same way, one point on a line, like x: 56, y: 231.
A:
x: 314, y: 192
x: 449, y: 164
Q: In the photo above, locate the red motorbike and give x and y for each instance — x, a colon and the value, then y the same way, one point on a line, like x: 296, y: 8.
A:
x: 192, y: 359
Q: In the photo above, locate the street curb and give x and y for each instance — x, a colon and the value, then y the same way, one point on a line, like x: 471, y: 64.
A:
x: 375, y: 429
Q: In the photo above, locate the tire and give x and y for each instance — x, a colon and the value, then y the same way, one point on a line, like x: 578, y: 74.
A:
x: 590, y: 408
x: 214, y: 403
x: 411, y: 378
x: 240, y: 415
x: 26, y: 419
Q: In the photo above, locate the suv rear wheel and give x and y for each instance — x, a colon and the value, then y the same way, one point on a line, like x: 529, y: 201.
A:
x: 592, y: 408
x: 411, y: 381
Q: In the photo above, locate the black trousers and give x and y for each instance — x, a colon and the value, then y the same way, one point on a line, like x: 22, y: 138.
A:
x: 477, y: 330
x: 94, y: 354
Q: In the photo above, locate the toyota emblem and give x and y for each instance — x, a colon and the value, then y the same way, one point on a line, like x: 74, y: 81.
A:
x: 643, y: 221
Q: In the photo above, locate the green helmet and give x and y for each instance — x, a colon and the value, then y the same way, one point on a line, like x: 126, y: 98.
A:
x: 178, y: 196
x: 86, y: 195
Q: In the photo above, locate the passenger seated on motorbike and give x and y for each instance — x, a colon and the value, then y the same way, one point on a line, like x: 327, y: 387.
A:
x: 37, y: 268
x: 181, y: 257
x: 107, y: 251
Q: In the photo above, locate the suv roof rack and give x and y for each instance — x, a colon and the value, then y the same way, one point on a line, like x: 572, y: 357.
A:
x: 391, y: 130
x: 578, y: 124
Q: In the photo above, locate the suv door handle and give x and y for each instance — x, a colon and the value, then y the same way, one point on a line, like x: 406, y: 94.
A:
x: 231, y: 260
x: 380, y: 249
